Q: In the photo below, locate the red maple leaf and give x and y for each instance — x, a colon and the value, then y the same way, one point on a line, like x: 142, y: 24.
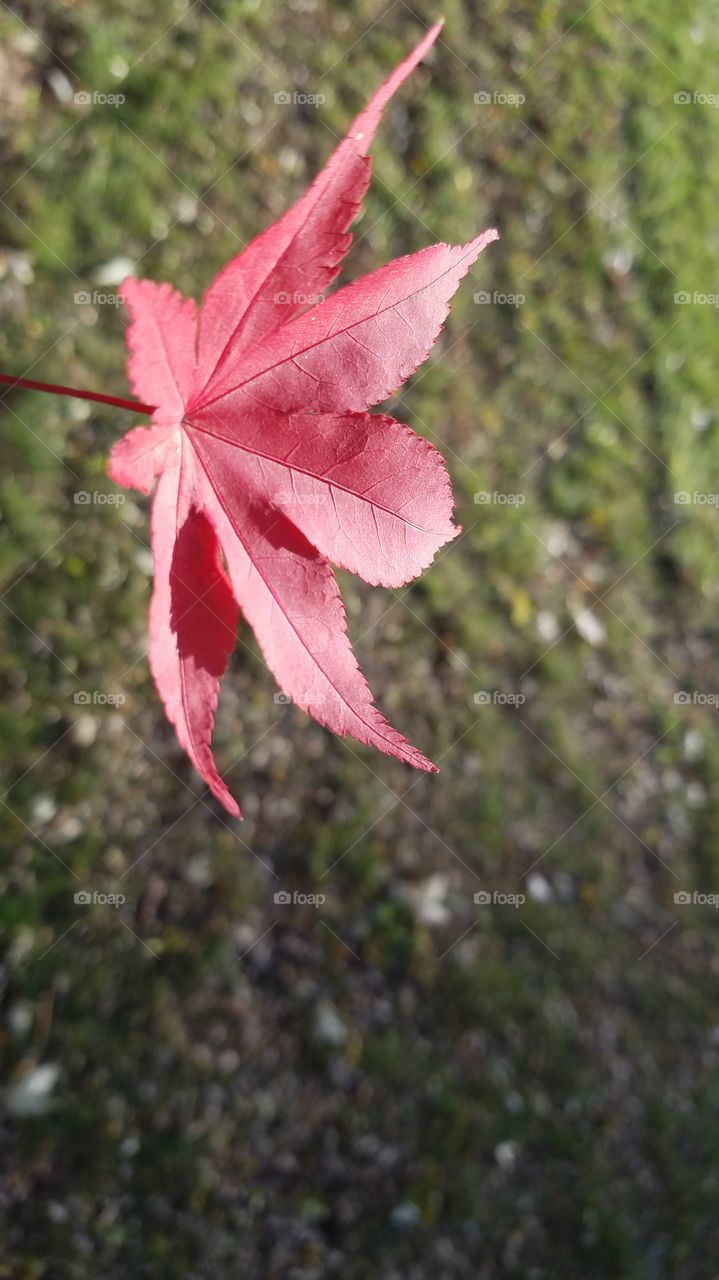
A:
x: 268, y: 464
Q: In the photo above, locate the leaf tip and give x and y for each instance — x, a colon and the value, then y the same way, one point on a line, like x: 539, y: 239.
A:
x: 481, y: 241
x: 233, y: 808
x: 220, y: 792
x: 418, y: 761
x: 429, y: 38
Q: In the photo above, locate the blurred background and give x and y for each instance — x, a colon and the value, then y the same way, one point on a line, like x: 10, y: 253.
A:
x: 489, y: 1045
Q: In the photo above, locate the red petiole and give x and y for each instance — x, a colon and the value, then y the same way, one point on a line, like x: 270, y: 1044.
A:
x: 54, y: 389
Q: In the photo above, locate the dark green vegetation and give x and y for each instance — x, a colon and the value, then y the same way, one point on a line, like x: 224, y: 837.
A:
x: 398, y: 1083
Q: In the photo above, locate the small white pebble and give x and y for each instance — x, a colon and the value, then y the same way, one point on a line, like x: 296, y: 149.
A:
x: 84, y: 731
x: 329, y: 1027
x: 114, y: 271
x: 696, y: 795
x: 31, y: 1095
x: 505, y: 1153
x: 43, y: 809
x: 539, y: 888
x: 405, y: 1215
x: 693, y: 744
x: 547, y: 626
x: 590, y: 628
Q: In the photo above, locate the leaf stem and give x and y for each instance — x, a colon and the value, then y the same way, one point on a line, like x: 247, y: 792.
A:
x: 54, y: 389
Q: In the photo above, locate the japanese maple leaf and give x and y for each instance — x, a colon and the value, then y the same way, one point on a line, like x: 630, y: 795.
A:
x: 267, y: 463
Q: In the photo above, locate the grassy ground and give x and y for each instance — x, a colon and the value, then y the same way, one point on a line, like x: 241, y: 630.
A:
x: 399, y: 1083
